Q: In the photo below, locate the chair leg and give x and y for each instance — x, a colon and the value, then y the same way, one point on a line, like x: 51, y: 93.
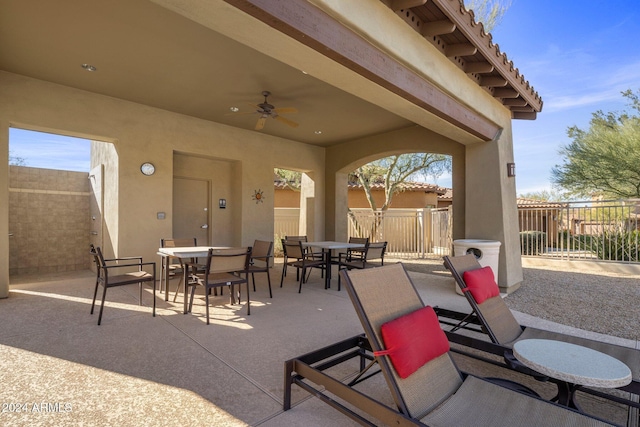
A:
x: 177, y: 289
x: 301, y: 279
x: 206, y: 298
x: 140, y: 292
x: 269, y: 281
x: 248, y: 299
x: 104, y: 294
x: 154, y: 298
x: 253, y: 278
x: 193, y: 293
x: 95, y: 293
x: 284, y: 271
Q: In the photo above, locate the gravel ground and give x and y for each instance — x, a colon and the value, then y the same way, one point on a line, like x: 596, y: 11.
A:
x: 604, y: 302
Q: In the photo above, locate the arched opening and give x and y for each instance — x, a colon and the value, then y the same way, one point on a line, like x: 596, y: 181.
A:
x: 396, y: 199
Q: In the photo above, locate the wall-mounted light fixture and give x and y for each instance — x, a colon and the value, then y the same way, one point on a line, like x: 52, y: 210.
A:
x: 511, y: 170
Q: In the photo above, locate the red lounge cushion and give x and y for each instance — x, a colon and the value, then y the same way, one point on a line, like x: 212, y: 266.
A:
x: 481, y: 284
x: 412, y: 340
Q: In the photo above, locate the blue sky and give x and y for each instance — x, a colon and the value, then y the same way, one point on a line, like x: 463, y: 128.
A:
x: 49, y: 151
x: 578, y: 55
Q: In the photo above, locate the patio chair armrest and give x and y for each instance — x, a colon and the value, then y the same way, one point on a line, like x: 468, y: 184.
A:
x: 139, y: 265
x: 128, y: 258
x: 261, y: 258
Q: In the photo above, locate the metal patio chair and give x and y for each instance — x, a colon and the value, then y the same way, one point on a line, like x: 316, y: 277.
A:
x: 224, y: 267
x: 114, y: 272
x: 262, y: 251
x: 301, y: 260
x: 373, y: 251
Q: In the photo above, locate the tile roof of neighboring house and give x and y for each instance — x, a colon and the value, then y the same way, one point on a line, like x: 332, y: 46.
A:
x: 448, y: 195
x: 531, y: 203
x: 520, y: 201
x: 405, y: 186
x: 280, y: 185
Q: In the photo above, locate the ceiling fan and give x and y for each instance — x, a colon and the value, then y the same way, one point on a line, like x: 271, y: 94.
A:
x: 267, y: 110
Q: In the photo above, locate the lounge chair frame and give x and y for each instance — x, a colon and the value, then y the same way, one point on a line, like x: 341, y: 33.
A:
x: 310, y: 366
x: 333, y: 392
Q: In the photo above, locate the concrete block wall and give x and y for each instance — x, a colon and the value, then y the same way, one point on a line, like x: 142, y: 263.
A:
x: 49, y: 221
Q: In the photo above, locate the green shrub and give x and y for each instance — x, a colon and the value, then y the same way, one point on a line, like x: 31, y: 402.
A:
x: 533, y: 242
x: 619, y: 245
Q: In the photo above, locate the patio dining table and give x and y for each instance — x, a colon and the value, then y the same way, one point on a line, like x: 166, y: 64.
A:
x: 327, y: 248
x: 182, y: 253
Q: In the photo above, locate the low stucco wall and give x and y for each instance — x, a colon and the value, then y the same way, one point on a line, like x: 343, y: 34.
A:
x: 49, y: 221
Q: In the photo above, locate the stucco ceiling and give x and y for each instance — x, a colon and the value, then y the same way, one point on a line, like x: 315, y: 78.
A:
x: 147, y: 54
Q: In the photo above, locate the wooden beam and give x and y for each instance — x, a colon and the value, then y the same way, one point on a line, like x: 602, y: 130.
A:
x: 397, y: 5
x: 437, y: 28
x: 515, y: 102
x: 311, y: 26
x: 505, y: 93
x: 521, y: 109
x: 525, y: 116
x: 478, y: 67
x: 460, y: 49
x: 493, y: 81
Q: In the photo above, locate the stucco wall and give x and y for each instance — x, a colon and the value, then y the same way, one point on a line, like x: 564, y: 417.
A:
x: 139, y: 134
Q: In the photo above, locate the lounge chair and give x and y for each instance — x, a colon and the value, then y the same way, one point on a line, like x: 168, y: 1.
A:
x: 497, y: 321
x: 422, y: 377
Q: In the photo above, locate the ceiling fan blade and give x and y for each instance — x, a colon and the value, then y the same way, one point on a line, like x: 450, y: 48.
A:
x: 286, y: 121
x: 290, y: 110
x: 261, y: 121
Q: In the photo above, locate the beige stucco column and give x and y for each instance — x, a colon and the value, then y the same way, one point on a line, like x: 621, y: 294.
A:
x: 491, y: 211
x: 4, y: 209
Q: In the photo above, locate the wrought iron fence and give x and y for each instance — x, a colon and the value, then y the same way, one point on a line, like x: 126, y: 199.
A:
x: 600, y: 230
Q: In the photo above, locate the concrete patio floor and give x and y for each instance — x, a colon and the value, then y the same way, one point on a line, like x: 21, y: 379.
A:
x: 58, y: 367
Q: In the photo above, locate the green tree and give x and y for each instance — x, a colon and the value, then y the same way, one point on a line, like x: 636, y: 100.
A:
x: 603, y: 160
x: 489, y: 12
x: 395, y: 170
x: 291, y: 179
x: 552, y: 195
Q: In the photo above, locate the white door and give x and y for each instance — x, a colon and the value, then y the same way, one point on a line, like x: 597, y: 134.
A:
x: 191, y: 209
